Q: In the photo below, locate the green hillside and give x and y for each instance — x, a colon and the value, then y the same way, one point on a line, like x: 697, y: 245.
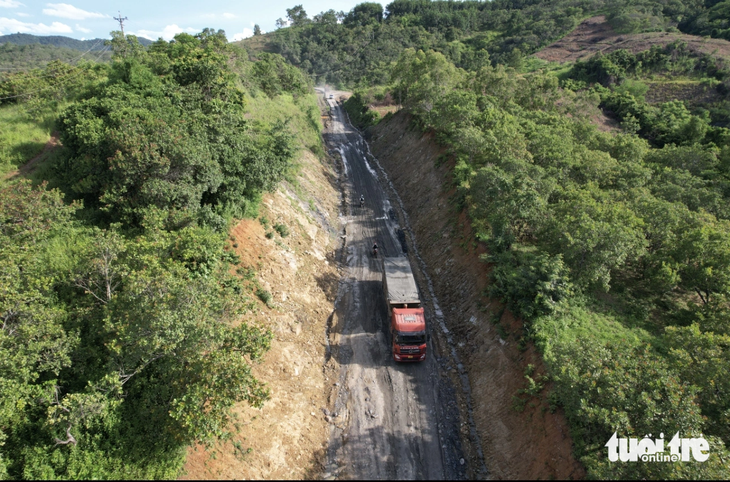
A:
x: 93, y: 45
x: 32, y: 56
x: 357, y: 47
x: 124, y: 337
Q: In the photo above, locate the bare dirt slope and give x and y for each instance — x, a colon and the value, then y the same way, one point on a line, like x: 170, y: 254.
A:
x: 533, y: 443
x: 286, y: 439
x: 595, y: 35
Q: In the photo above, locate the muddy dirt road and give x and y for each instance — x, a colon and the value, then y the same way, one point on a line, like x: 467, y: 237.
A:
x: 389, y: 420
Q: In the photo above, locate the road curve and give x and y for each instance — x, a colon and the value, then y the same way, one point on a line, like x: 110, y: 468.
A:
x: 390, y: 420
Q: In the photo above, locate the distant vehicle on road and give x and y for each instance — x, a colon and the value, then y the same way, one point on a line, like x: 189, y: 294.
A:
x: 332, y: 96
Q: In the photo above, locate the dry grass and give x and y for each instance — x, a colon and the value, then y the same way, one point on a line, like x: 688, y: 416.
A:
x: 596, y: 35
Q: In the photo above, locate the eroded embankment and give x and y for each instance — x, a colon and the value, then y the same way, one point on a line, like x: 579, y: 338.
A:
x: 529, y: 443
x: 287, y: 437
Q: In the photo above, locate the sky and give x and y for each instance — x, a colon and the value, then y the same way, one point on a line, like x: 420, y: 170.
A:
x: 152, y: 19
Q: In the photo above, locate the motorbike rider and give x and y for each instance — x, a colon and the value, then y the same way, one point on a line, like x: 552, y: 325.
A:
x: 375, y: 249
x: 362, y: 199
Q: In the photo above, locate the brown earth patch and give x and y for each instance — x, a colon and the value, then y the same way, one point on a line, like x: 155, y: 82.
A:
x: 596, y: 35
x: 286, y: 438
x: 528, y: 444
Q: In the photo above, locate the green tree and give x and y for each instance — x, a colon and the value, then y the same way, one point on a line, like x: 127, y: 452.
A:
x: 364, y: 14
x: 704, y: 358
x: 297, y: 16
x: 704, y: 256
x: 595, y: 235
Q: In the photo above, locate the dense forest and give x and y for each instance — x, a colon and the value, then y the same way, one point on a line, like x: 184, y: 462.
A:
x: 358, y: 47
x: 124, y: 337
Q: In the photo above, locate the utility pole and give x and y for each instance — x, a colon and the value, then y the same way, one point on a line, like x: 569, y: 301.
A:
x: 121, y: 22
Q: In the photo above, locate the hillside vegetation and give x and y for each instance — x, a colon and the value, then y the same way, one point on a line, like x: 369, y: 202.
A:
x: 94, y: 45
x: 124, y: 337
x: 358, y: 47
x: 613, y: 248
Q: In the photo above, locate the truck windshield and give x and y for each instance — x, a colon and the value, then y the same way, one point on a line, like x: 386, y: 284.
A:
x: 410, y: 338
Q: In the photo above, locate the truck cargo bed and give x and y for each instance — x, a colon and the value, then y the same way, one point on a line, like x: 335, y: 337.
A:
x: 398, y: 282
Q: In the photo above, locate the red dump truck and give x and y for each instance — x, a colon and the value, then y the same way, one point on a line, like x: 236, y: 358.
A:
x: 407, y: 321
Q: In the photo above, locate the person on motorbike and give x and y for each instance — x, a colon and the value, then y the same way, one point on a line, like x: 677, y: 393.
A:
x: 375, y: 249
x: 362, y: 200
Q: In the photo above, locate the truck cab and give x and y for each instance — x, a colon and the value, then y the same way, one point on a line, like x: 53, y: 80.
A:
x: 408, y: 334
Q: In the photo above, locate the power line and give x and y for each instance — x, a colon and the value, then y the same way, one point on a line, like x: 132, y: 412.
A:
x: 69, y: 76
x: 70, y: 62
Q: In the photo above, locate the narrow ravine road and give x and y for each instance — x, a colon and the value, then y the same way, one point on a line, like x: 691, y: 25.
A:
x: 389, y: 420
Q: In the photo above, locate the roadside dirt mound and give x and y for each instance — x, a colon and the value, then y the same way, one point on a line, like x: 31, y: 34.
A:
x: 596, y: 35
x: 527, y: 444
x: 285, y: 439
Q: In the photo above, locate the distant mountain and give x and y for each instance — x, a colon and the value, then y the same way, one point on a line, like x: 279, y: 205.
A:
x: 60, y: 41
x: 36, y: 56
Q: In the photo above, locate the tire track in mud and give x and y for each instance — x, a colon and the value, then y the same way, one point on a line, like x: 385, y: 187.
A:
x: 388, y: 420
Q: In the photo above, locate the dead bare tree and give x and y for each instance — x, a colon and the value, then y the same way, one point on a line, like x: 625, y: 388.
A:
x: 102, y: 277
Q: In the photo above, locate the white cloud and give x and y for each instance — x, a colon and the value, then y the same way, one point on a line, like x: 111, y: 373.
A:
x: 21, y: 14
x: 10, y: 4
x: 247, y: 32
x: 167, y: 33
x: 82, y: 29
x: 11, y: 25
x: 64, y: 10
x: 229, y: 15
x: 148, y: 34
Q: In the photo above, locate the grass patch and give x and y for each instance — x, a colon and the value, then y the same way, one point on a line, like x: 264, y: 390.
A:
x: 21, y: 138
x: 583, y: 322
x: 302, y: 115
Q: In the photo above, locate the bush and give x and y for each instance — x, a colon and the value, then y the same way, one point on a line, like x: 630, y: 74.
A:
x: 264, y: 295
x: 282, y: 230
x: 532, y: 284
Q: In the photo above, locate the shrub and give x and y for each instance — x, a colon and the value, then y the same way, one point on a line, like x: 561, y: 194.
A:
x: 532, y: 284
x: 264, y: 295
x: 282, y: 230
